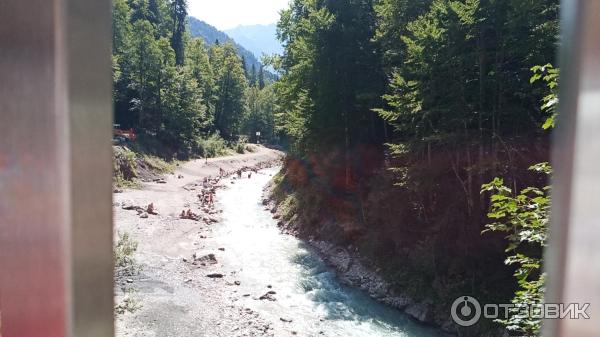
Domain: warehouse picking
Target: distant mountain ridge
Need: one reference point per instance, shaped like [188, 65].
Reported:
[210, 34]
[259, 39]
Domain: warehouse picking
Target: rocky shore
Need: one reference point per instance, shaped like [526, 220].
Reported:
[177, 281]
[351, 268]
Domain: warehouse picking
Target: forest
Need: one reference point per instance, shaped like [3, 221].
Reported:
[183, 97]
[416, 131]
[419, 136]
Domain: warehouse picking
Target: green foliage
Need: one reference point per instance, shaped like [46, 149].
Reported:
[212, 146]
[231, 86]
[261, 105]
[549, 75]
[525, 218]
[462, 65]
[124, 250]
[129, 304]
[176, 92]
[330, 74]
[124, 167]
[240, 147]
[158, 164]
[179, 16]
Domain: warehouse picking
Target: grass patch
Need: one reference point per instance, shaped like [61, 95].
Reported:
[287, 208]
[129, 303]
[159, 165]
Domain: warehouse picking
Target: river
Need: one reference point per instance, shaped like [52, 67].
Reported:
[307, 291]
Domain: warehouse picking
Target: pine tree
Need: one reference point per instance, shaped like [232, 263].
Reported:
[261, 77]
[252, 76]
[179, 15]
[245, 67]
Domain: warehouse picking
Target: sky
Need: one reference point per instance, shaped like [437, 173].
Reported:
[227, 14]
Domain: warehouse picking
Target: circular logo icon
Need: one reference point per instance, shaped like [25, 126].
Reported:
[466, 311]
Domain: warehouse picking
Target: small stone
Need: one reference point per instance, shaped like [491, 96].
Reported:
[268, 296]
[215, 275]
[128, 205]
[222, 249]
[129, 280]
[286, 320]
[208, 258]
[237, 283]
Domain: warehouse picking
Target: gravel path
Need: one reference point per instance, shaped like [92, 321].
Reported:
[176, 296]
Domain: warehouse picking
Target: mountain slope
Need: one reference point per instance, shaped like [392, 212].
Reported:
[259, 39]
[210, 34]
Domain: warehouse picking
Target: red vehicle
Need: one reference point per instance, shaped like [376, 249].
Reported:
[122, 135]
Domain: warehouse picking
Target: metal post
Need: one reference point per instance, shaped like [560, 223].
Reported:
[572, 260]
[55, 168]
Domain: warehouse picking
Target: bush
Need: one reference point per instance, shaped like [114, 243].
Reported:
[124, 167]
[240, 147]
[211, 147]
[125, 264]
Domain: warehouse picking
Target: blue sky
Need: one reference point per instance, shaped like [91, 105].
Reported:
[227, 14]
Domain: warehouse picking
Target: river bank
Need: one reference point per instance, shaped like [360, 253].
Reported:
[352, 270]
[173, 290]
[236, 275]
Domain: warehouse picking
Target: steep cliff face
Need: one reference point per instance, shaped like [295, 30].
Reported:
[414, 219]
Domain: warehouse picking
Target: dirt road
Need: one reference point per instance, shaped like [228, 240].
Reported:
[177, 297]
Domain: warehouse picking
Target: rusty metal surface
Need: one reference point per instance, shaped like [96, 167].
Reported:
[55, 168]
[573, 258]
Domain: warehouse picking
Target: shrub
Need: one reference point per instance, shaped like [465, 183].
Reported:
[211, 147]
[240, 147]
[124, 166]
[125, 264]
